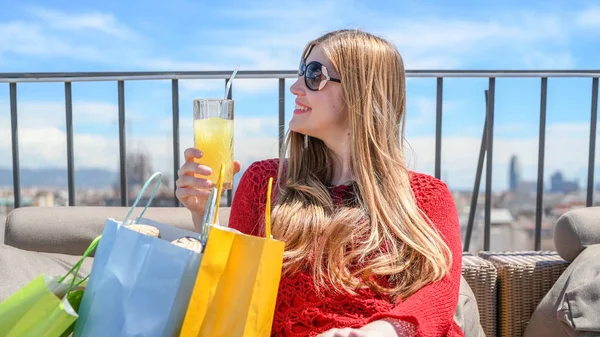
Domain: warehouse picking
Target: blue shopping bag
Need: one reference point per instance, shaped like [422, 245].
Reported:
[139, 285]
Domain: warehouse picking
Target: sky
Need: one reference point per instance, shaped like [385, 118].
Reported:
[69, 36]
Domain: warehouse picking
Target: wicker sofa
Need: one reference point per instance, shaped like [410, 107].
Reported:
[500, 290]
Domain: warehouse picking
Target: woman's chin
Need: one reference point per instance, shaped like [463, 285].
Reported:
[296, 126]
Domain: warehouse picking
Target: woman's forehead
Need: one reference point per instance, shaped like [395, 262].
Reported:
[316, 54]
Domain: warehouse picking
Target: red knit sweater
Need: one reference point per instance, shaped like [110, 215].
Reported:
[301, 312]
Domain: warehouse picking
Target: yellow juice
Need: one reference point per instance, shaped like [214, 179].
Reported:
[214, 137]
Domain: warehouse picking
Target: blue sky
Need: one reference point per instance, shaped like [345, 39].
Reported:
[192, 35]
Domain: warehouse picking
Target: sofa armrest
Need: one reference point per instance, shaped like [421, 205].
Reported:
[524, 278]
[70, 230]
[575, 230]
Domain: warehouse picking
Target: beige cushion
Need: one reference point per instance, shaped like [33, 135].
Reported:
[2, 227]
[69, 230]
[576, 230]
[467, 312]
[19, 267]
[572, 306]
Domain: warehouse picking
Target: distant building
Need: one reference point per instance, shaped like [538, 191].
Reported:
[527, 187]
[514, 174]
[139, 170]
[558, 184]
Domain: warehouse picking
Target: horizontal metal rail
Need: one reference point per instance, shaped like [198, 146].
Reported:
[269, 74]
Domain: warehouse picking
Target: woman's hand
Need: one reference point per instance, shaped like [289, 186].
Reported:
[349, 332]
[374, 329]
[193, 192]
[346, 332]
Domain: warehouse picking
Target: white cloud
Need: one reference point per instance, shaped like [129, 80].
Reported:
[199, 88]
[451, 43]
[421, 111]
[93, 37]
[251, 86]
[95, 21]
[589, 18]
[518, 39]
[26, 38]
[538, 59]
[203, 88]
[52, 114]
[164, 64]
[457, 35]
[460, 155]
[45, 146]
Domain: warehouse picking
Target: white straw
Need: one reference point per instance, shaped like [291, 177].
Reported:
[228, 87]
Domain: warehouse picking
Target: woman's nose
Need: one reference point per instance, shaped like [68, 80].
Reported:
[298, 87]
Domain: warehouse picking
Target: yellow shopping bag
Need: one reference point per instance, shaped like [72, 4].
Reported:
[237, 283]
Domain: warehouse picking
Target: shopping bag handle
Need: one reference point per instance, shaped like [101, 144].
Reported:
[154, 191]
[75, 269]
[268, 234]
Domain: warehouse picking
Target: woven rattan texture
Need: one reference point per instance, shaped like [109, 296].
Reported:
[523, 280]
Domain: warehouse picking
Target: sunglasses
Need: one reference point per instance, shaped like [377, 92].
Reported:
[315, 74]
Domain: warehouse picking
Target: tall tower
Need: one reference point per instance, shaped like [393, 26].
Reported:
[514, 174]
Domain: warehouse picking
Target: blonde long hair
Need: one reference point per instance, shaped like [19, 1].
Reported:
[381, 240]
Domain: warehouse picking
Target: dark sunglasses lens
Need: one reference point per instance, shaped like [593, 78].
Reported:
[313, 76]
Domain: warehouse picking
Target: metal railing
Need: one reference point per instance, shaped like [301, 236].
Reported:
[485, 153]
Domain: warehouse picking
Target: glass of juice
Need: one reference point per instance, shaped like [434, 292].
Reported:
[213, 135]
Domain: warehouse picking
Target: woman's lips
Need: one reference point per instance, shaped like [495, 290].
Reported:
[301, 108]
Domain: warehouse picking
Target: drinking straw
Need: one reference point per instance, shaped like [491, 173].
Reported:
[268, 210]
[219, 192]
[228, 86]
[205, 219]
[213, 204]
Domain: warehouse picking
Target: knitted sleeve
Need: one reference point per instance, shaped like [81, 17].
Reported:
[432, 307]
[249, 202]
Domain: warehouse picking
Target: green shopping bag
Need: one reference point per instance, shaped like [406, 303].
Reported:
[47, 306]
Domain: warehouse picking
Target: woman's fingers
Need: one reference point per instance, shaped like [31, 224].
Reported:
[190, 181]
[192, 153]
[191, 168]
[184, 193]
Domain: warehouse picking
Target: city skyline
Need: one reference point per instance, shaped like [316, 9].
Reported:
[140, 168]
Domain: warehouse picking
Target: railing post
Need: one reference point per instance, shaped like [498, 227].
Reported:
[592, 149]
[489, 163]
[540, 172]
[438, 127]
[281, 113]
[477, 184]
[14, 131]
[122, 143]
[69, 129]
[175, 99]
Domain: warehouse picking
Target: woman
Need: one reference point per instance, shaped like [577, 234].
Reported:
[372, 249]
